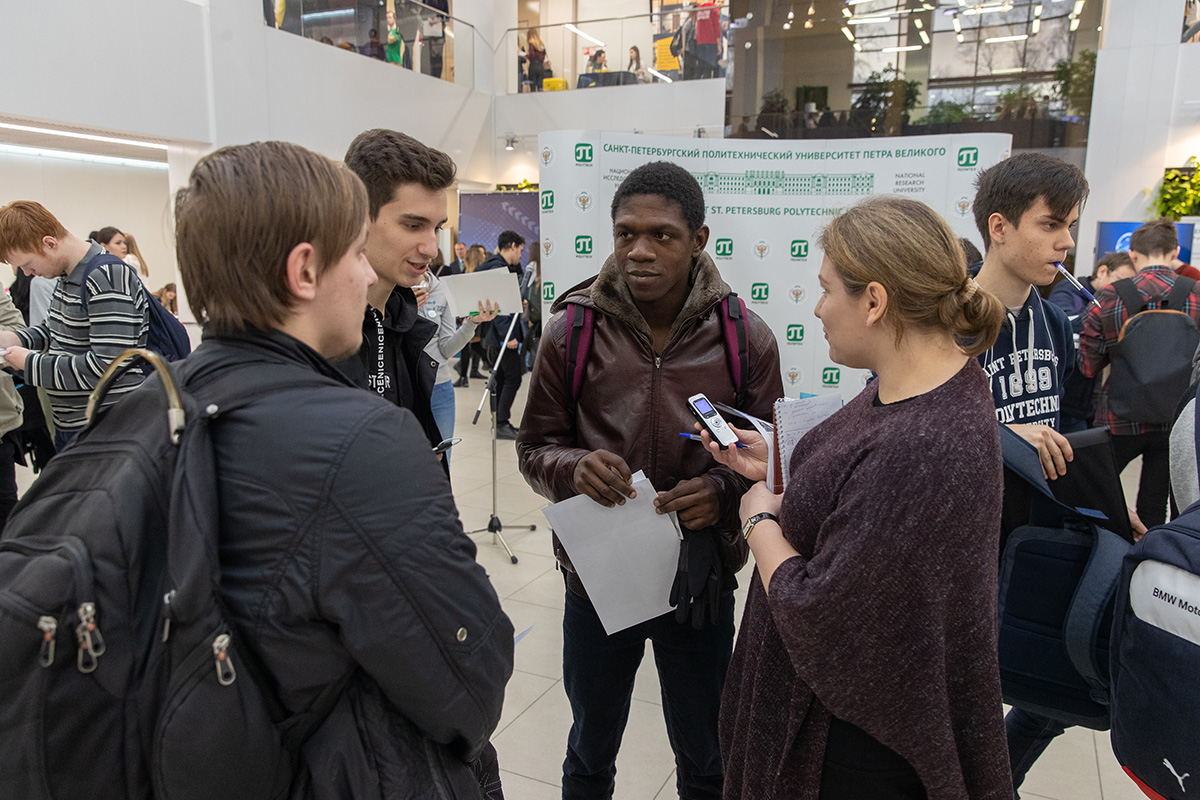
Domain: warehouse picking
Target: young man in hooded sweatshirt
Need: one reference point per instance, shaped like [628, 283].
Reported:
[1025, 208]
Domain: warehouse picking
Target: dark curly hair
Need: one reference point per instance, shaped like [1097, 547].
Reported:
[668, 181]
[386, 159]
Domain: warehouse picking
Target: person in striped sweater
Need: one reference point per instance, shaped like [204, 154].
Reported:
[69, 352]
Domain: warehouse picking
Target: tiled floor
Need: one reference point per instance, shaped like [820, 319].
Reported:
[531, 738]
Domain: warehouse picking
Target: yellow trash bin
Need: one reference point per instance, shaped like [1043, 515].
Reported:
[554, 84]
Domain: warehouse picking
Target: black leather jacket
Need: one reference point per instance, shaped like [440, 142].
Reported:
[342, 553]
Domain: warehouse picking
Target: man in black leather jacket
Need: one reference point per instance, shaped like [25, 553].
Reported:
[341, 551]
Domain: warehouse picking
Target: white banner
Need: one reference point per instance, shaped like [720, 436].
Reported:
[767, 202]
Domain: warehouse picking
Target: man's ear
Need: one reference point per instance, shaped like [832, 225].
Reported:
[701, 241]
[49, 244]
[302, 272]
[998, 227]
[877, 301]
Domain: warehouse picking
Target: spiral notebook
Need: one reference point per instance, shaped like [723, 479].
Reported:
[792, 417]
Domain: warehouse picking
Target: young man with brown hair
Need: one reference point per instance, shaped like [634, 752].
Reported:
[96, 313]
[1152, 247]
[342, 557]
[406, 187]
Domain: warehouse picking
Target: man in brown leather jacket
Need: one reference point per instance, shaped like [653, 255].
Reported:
[657, 339]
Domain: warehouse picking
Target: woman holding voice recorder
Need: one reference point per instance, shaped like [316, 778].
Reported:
[865, 664]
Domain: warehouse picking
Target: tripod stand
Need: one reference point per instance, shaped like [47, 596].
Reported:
[495, 527]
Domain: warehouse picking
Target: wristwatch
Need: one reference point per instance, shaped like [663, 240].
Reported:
[757, 518]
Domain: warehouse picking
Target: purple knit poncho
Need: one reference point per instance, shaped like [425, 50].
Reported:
[887, 618]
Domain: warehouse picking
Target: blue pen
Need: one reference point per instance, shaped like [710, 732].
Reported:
[696, 438]
[1078, 286]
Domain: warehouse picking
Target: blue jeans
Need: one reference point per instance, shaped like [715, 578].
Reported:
[441, 399]
[1029, 735]
[598, 674]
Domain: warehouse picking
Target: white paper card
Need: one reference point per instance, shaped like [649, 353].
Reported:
[467, 291]
[626, 556]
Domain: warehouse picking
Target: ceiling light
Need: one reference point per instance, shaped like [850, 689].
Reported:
[578, 32]
[924, 37]
[959, 36]
[812, 8]
[1037, 10]
[858, 47]
[1009, 71]
[1020, 37]
[957, 24]
[808, 23]
[749, 15]
[905, 49]
[791, 15]
[510, 142]
[787, 26]
[867, 20]
[72, 155]
[917, 22]
[1078, 7]
[90, 137]
[847, 12]
[1075, 24]
[848, 34]
[1036, 26]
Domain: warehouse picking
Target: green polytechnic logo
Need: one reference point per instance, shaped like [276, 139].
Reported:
[583, 154]
[583, 245]
[795, 334]
[968, 156]
[723, 247]
[547, 292]
[831, 376]
[547, 200]
[799, 248]
[759, 291]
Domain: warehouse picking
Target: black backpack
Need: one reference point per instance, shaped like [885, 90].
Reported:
[1058, 579]
[166, 335]
[1152, 359]
[122, 673]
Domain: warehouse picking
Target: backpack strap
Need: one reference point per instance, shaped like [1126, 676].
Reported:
[580, 321]
[1095, 591]
[1131, 298]
[101, 259]
[1180, 292]
[733, 321]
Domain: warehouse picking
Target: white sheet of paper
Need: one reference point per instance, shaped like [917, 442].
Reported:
[467, 291]
[626, 556]
[795, 417]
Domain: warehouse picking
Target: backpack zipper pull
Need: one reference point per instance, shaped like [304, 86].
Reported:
[91, 642]
[49, 628]
[167, 598]
[225, 672]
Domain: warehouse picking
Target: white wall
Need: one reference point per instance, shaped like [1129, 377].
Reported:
[88, 196]
[1145, 112]
[669, 109]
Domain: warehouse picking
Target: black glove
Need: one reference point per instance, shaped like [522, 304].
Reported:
[696, 593]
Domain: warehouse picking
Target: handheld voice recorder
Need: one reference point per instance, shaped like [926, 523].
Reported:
[707, 416]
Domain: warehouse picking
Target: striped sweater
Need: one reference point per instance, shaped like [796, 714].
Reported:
[72, 348]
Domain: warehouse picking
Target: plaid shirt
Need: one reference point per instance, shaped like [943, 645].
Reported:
[1103, 327]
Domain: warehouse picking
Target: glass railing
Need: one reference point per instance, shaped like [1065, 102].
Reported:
[1033, 123]
[406, 33]
[619, 51]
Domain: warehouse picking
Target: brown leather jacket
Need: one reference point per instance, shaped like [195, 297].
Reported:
[633, 402]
